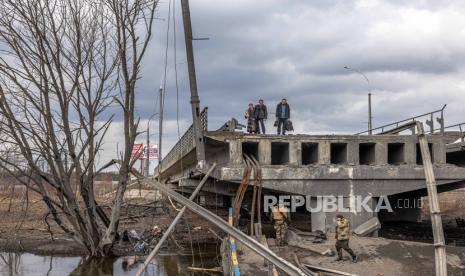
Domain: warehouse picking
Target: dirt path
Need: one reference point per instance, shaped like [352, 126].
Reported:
[378, 256]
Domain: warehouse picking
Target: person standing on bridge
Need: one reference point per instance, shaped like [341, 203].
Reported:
[342, 238]
[250, 119]
[283, 114]
[260, 115]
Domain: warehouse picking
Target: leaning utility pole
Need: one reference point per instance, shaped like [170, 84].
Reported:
[438, 233]
[195, 101]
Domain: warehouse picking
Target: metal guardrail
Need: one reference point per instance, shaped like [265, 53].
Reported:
[185, 144]
[461, 128]
[429, 122]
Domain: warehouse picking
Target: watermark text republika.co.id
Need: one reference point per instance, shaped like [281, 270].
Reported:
[339, 204]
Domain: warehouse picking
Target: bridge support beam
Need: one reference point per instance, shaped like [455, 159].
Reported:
[352, 153]
[410, 153]
[264, 152]
[295, 153]
[381, 153]
[325, 221]
[235, 152]
[324, 152]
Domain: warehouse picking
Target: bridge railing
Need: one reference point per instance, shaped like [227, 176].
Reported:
[460, 127]
[429, 121]
[185, 144]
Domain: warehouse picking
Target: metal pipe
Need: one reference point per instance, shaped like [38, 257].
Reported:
[175, 221]
[247, 241]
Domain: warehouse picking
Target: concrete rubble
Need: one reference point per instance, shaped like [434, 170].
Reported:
[378, 256]
[368, 227]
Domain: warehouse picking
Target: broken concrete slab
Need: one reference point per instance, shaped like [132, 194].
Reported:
[368, 227]
[293, 239]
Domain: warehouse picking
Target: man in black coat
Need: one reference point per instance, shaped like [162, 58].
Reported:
[260, 114]
[283, 113]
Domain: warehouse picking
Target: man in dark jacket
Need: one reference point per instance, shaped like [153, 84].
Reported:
[283, 113]
[260, 114]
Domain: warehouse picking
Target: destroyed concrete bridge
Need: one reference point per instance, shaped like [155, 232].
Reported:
[388, 164]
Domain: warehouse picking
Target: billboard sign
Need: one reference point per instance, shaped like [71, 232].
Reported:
[137, 151]
[151, 152]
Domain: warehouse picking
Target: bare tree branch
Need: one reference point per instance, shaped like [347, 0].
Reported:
[62, 64]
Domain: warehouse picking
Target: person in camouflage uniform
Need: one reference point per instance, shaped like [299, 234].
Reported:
[280, 218]
[342, 238]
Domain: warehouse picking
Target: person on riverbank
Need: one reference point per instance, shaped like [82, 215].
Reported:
[260, 115]
[342, 238]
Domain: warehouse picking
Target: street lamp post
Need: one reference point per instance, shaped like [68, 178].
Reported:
[160, 130]
[370, 118]
[147, 158]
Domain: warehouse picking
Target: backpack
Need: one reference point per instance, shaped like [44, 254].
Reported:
[289, 126]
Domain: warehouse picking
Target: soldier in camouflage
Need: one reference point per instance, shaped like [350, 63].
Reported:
[280, 217]
[342, 238]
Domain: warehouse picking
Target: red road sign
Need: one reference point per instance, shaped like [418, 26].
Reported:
[137, 151]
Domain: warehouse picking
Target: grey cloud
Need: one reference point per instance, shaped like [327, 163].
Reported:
[411, 51]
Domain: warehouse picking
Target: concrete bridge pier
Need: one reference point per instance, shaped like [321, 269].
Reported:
[326, 220]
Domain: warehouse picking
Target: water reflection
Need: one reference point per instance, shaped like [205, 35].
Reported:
[29, 264]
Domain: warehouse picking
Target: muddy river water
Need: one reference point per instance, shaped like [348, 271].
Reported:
[30, 264]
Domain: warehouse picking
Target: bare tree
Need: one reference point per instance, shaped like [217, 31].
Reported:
[62, 63]
[129, 17]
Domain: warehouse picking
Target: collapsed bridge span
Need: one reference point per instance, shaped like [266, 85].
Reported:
[318, 165]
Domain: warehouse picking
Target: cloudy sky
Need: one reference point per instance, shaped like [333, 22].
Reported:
[413, 53]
